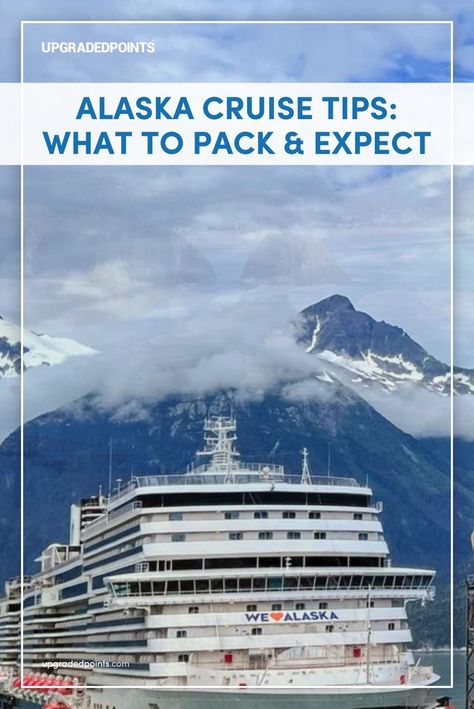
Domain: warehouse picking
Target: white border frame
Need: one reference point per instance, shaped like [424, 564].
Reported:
[263, 691]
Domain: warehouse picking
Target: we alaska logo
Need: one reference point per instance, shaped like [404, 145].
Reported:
[290, 616]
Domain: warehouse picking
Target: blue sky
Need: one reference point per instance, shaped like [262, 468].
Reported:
[97, 239]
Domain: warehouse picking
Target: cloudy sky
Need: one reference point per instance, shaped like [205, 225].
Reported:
[149, 262]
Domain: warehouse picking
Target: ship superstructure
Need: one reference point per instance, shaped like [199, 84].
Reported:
[231, 575]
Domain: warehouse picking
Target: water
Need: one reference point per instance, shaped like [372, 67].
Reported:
[441, 661]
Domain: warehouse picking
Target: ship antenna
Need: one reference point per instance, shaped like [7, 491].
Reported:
[110, 465]
[305, 469]
[219, 438]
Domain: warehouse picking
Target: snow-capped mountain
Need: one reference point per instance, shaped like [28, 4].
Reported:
[368, 351]
[39, 349]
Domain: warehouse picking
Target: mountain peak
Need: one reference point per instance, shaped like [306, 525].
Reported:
[331, 304]
[373, 351]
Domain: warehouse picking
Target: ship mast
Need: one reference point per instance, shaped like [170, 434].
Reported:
[369, 635]
[219, 438]
[305, 469]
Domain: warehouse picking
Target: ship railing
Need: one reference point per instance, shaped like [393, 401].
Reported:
[246, 474]
[306, 662]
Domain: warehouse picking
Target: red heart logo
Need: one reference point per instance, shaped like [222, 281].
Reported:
[277, 615]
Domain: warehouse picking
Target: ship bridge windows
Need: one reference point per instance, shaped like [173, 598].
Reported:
[363, 536]
[357, 515]
[250, 584]
[288, 515]
[260, 514]
[265, 535]
[236, 536]
[257, 631]
[314, 515]
[319, 535]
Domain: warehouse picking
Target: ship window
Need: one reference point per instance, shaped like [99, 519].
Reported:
[251, 608]
[235, 535]
[193, 609]
[158, 587]
[290, 582]
[363, 536]
[314, 515]
[293, 535]
[181, 633]
[300, 606]
[178, 537]
[231, 585]
[276, 606]
[174, 516]
[245, 584]
[357, 515]
[183, 658]
[260, 515]
[289, 515]
[275, 583]
[256, 631]
[319, 535]
[172, 587]
[121, 589]
[329, 628]
[186, 586]
[265, 535]
[265, 561]
[321, 581]
[323, 605]
[217, 585]
[259, 584]
[391, 626]
[182, 564]
[232, 515]
[202, 586]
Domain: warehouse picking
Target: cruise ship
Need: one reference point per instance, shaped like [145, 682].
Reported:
[231, 585]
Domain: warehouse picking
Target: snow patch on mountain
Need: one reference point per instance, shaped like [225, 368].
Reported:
[368, 353]
[39, 349]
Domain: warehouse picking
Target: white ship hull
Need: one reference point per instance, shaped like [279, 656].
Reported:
[285, 698]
